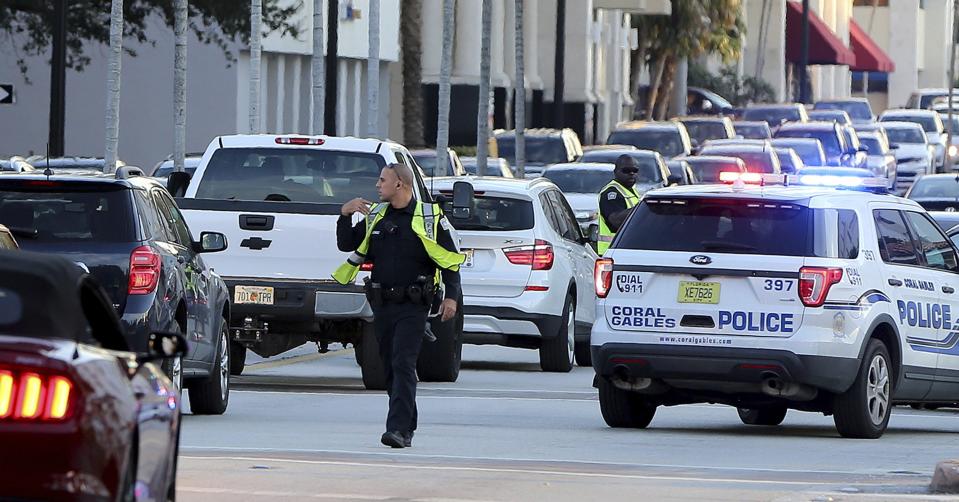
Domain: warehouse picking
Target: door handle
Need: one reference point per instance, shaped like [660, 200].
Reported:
[895, 282]
[948, 289]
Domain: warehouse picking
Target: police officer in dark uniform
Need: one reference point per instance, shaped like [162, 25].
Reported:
[408, 241]
[616, 200]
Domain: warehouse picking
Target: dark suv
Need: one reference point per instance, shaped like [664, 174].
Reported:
[128, 233]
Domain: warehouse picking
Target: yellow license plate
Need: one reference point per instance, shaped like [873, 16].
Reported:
[253, 294]
[698, 292]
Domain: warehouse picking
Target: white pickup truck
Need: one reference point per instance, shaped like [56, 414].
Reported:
[277, 199]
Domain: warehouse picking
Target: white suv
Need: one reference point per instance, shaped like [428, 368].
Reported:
[770, 298]
[528, 275]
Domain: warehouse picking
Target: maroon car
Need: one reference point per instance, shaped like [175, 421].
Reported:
[80, 417]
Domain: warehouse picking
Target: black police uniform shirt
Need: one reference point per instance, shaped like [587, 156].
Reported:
[612, 202]
[397, 253]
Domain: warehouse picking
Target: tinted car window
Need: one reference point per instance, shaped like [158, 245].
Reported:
[749, 131]
[928, 123]
[708, 171]
[428, 164]
[829, 140]
[809, 151]
[149, 215]
[55, 216]
[170, 213]
[579, 180]
[944, 187]
[757, 162]
[856, 109]
[902, 135]
[873, 145]
[290, 174]
[935, 247]
[703, 131]
[895, 243]
[772, 116]
[539, 150]
[848, 232]
[495, 214]
[667, 143]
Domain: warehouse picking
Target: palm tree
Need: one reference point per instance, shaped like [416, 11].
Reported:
[181, 16]
[446, 70]
[113, 87]
[482, 119]
[256, 35]
[411, 12]
[373, 72]
[318, 93]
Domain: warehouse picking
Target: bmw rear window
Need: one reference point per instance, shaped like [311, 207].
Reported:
[52, 214]
[503, 214]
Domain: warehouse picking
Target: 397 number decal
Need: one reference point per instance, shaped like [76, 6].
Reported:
[777, 285]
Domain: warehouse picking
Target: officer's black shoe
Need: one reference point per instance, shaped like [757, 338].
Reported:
[393, 439]
[408, 440]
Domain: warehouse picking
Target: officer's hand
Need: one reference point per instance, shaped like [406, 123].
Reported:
[447, 309]
[357, 205]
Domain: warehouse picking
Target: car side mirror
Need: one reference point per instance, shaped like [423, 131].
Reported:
[164, 345]
[177, 183]
[210, 242]
[463, 199]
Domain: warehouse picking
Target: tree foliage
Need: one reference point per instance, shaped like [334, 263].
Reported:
[27, 25]
[740, 91]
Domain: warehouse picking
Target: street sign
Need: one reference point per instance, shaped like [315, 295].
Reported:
[6, 94]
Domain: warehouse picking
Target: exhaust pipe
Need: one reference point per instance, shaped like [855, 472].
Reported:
[776, 387]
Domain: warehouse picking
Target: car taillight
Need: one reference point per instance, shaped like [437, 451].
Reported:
[603, 276]
[32, 396]
[539, 255]
[814, 284]
[144, 270]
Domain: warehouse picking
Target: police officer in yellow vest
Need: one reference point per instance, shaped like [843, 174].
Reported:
[411, 249]
[616, 200]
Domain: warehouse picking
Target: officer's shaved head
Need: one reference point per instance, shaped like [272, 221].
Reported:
[404, 173]
[395, 180]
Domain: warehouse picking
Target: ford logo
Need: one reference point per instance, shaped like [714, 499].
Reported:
[700, 259]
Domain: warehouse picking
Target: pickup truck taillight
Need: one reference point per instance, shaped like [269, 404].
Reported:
[26, 395]
[144, 271]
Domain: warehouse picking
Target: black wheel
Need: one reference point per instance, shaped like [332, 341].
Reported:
[863, 410]
[556, 353]
[763, 416]
[439, 361]
[237, 358]
[212, 395]
[371, 366]
[583, 357]
[622, 408]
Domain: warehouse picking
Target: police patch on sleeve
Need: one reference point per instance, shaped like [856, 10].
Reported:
[611, 195]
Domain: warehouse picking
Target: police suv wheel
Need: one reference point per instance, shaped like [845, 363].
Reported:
[212, 395]
[773, 415]
[622, 408]
[863, 410]
[371, 365]
[556, 354]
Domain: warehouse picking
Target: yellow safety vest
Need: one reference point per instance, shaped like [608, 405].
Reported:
[426, 219]
[605, 234]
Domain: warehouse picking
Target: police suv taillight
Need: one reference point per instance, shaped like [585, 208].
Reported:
[814, 284]
[603, 276]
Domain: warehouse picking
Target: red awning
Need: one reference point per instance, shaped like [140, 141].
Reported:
[825, 48]
[869, 57]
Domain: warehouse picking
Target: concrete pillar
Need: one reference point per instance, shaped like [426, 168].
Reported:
[358, 97]
[938, 27]
[500, 30]
[280, 93]
[766, 61]
[297, 62]
[431, 33]
[342, 98]
[904, 50]
[466, 48]
[534, 79]
[546, 44]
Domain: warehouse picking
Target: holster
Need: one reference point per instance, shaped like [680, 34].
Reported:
[374, 293]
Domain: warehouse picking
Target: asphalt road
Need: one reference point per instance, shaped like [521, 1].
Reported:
[301, 427]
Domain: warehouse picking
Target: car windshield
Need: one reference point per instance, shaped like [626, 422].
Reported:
[772, 116]
[579, 180]
[539, 150]
[828, 138]
[809, 151]
[668, 143]
[756, 162]
[290, 175]
[719, 225]
[955, 122]
[51, 216]
[872, 144]
[856, 109]
[495, 214]
[935, 186]
[427, 163]
[904, 135]
[925, 101]
[702, 131]
[928, 123]
[707, 171]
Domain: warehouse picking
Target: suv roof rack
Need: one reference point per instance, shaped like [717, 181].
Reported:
[127, 172]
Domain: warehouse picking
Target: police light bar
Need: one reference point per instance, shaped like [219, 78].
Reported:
[830, 180]
[299, 141]
[752, 178]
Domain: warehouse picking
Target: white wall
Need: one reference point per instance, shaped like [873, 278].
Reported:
[773, 64]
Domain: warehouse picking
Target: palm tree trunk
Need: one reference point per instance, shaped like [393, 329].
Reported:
[482, 119]
[180, 20]
[655, 79]
[318, 72]
[411, 46]
[256, 34]
[446, 71]
[519, 109]
[666, 88]
[373, 73]
[113, 87]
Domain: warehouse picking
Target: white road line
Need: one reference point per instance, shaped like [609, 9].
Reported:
[543, 472]
[381, 395]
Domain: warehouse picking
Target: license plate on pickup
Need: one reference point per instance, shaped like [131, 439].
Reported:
[469, 258]
[698, 292]
[253, 294]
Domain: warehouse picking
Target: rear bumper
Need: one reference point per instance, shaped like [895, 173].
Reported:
[301, 301]
[495, 321]
[723, 365]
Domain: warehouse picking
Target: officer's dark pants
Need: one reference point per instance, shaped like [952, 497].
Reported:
[399, 331]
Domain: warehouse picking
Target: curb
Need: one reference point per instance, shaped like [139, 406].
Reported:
[945, 479]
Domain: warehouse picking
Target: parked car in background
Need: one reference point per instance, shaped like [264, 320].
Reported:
[161, 172]
[70, 164]
[789, 161]
[758, 159]
[858, 109]
[426, 159]
[856, 154]
[808, 149]
[936, 192]
[947, 220]
[830, 136]
[752, 129]
[15, 165]
[838, 116]
[880, 158]
[645, 158]
[598, 148]
[7, 240]
[924, 98]
[776, 114]
[495, 166]
[670, 139]
[527, 279]
[706, 168]
[931, 125]
[680, 172]
[702, 129]
[701, 101]
[914, 155]
[544, 147]
[81, 417]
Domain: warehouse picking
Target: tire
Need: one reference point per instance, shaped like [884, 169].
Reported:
[439, 361]
[237, 358]
[556, 353]
[584, 358]
[622, 408]
[371, 366]
[211, 396]
[763, 416]
[863, 410]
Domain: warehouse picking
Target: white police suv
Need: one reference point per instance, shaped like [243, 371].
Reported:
[776, 297]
